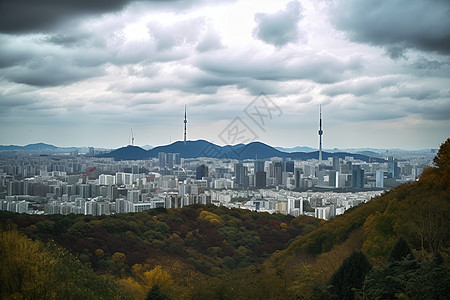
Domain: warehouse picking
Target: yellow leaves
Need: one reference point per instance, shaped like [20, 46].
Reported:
[159, 277]
[119, 258]
[99, 253]
[243, 251]
[133, 288]
[284, 226]
[144, 280]
[24, 266]
[211, 218]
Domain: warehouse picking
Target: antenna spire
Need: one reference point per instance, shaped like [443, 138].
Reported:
[320, 134]
[185, 122]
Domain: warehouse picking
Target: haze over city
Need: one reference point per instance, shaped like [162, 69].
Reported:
[77, 74]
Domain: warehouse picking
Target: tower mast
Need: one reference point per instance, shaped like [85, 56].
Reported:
[320, 134]
[185, 121]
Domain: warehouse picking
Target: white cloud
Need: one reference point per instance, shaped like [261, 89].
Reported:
[281, 27]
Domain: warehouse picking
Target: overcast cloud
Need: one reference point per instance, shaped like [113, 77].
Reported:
[82, 73]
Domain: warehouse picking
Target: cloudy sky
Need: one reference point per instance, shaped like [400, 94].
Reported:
[83, 73]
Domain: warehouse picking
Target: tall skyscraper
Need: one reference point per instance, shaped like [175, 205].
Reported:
[201, 171]
[320, 134]
[358, 177]
[259, 166]
[278, 170]
[298, 177]
[241, 175]
[288, 166]
[185, 122]
[336, 163]
[393, 169]
[379, 179]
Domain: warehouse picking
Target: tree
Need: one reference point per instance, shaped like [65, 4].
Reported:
[25, 267]
[442, 158]
[408, 279]
[401, 250]
[31, 270]
[155, 294]
[350, 275]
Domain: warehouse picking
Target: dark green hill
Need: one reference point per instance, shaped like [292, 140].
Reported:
[208, 237]
[202, 148]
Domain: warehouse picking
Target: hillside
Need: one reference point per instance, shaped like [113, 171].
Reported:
[204, 240]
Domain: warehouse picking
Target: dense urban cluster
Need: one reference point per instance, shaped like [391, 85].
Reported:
[85, 184]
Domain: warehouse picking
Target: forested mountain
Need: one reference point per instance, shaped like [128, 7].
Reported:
[394, 246]
[202, 148]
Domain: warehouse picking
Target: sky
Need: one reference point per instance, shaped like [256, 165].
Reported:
[87, 73]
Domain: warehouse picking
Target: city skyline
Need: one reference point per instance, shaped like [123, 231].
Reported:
[84, 74]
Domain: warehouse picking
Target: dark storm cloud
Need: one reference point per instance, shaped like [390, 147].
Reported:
[48, 72]
[20, 16]
[279, 28]
[9, 102]
[424, 63]
[34, 62]
[68, 40]
[24, 16]
[397, 25]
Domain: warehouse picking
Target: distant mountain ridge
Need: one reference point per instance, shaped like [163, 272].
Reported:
[30, 147]
[296, 149]
[202, 148]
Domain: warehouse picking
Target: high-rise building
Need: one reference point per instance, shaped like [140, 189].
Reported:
[379, 179]
[393, 169]
[133, 195]
[277, 172]
[222, 172]
[288, 166]
[162, 160]
[336, 163]
[201, 171]
[298, 177]
[258, 170]
[358, 177]
[106, 179]
[241, 175]
[168, 160]
[333, 178]
[259, 166]
[260, 179]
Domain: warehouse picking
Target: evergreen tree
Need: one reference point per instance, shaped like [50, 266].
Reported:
[442, 158]
[400, 251]
[156, 294]
[408, 279]
[350, 275]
